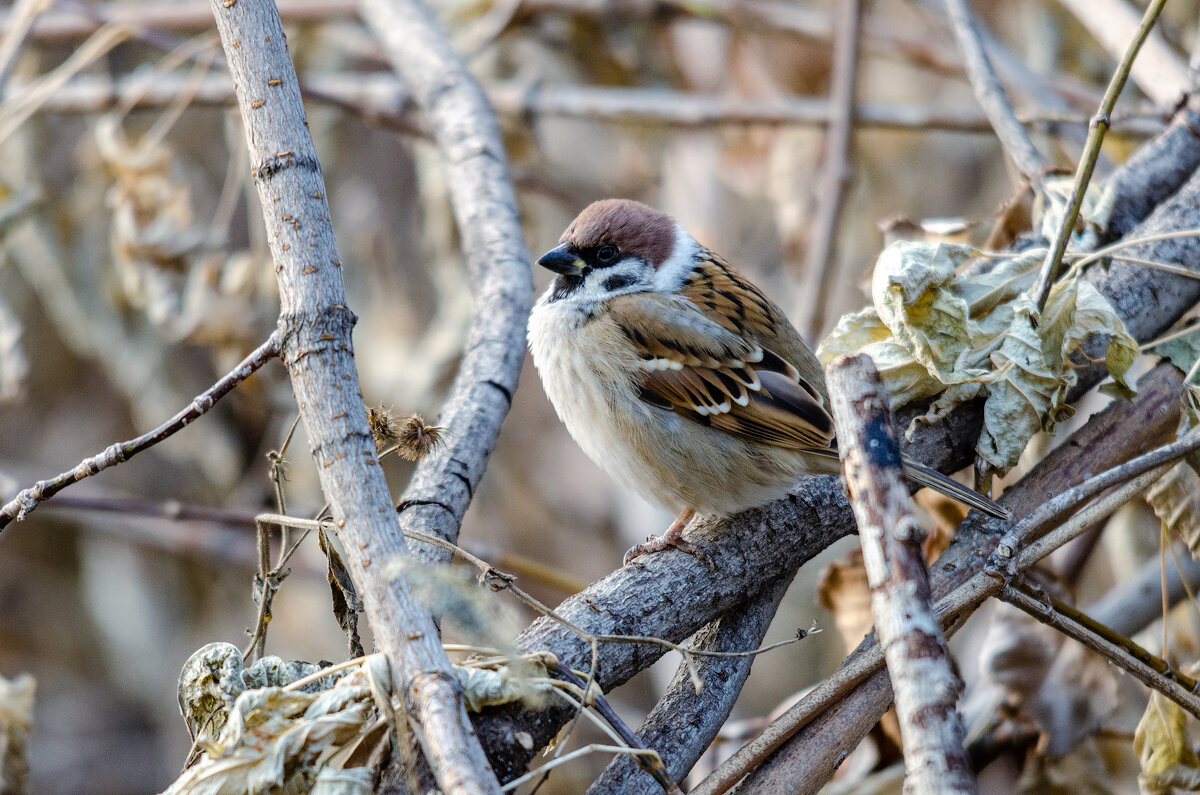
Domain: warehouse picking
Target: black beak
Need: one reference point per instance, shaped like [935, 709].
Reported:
[561, 260]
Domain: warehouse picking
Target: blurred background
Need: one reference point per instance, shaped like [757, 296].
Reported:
[133, 273]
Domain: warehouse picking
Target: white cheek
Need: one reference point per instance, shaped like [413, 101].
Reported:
[671, 275]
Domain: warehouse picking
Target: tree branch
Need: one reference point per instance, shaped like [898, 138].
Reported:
[485, 206]
[918, 663]
[683, 723]
[21, 505]
[315, 325]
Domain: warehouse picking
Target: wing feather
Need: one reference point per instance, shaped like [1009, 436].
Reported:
[700, 360]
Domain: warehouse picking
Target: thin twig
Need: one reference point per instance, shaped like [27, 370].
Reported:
[1097, 128]
[836, 173]
[1154, 672]
[991, 95]
[28, 499]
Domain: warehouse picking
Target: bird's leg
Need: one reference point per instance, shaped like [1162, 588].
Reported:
[672, 538]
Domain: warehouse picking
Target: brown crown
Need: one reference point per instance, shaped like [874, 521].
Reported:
[632, 227]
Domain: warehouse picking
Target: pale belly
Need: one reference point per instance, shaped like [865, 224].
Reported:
[671, 461]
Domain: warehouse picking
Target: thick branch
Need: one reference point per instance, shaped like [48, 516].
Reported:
[485, 206]
[917, 660]
[315, 324]
[683, 723]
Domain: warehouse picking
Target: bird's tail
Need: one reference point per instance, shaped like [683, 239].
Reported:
[928, 476]
[943, 484]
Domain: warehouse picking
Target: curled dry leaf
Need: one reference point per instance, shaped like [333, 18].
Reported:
[1161, 743]
[257, 732]
[935, 331]
[214, 676]
[1175, 499]
[487, 684]
[16, 721]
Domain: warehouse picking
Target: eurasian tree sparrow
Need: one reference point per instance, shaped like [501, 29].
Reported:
[678, 376]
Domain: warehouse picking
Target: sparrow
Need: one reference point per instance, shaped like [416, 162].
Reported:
[679, 377]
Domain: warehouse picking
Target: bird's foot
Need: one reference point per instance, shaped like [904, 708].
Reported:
[672, 538]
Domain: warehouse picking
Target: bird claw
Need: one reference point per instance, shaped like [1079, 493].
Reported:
[666, 541]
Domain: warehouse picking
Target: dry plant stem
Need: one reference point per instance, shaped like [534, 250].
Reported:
[683, 723]
[315, 326]
[819, 261]
[1151, 670]
[925, 687]
[21, 505]
[1159, 71]
[485, 206]
[17, 27]
[991, 95]
[1083, 174]
[382, 100]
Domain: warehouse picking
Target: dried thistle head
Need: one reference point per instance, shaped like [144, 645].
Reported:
[415, 439]
[384, 426]
[408, 434]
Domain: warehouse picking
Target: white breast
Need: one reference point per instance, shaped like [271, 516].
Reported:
[587, 367]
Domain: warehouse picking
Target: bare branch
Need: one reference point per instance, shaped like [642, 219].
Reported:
[806, 759]
[485, 206]
[21, 505]
[315, 325]
[991, 95]
[819, 260]
[917, 660]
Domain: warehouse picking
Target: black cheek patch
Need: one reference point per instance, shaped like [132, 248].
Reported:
[618, 281]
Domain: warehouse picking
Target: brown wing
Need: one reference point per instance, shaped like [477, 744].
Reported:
[700, 359]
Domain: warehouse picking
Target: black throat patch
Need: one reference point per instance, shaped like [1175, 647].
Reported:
[565, 286]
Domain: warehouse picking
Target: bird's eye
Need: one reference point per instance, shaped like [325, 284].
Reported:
[606, 253]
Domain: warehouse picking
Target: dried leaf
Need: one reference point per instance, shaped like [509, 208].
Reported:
[1175, 499]
[1183, 351]
[16, 721]
[910, 297]
[1026, 391]
[864, 332]
[521, 679]
[934, 331]
[1162, 746]
[214, 676]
